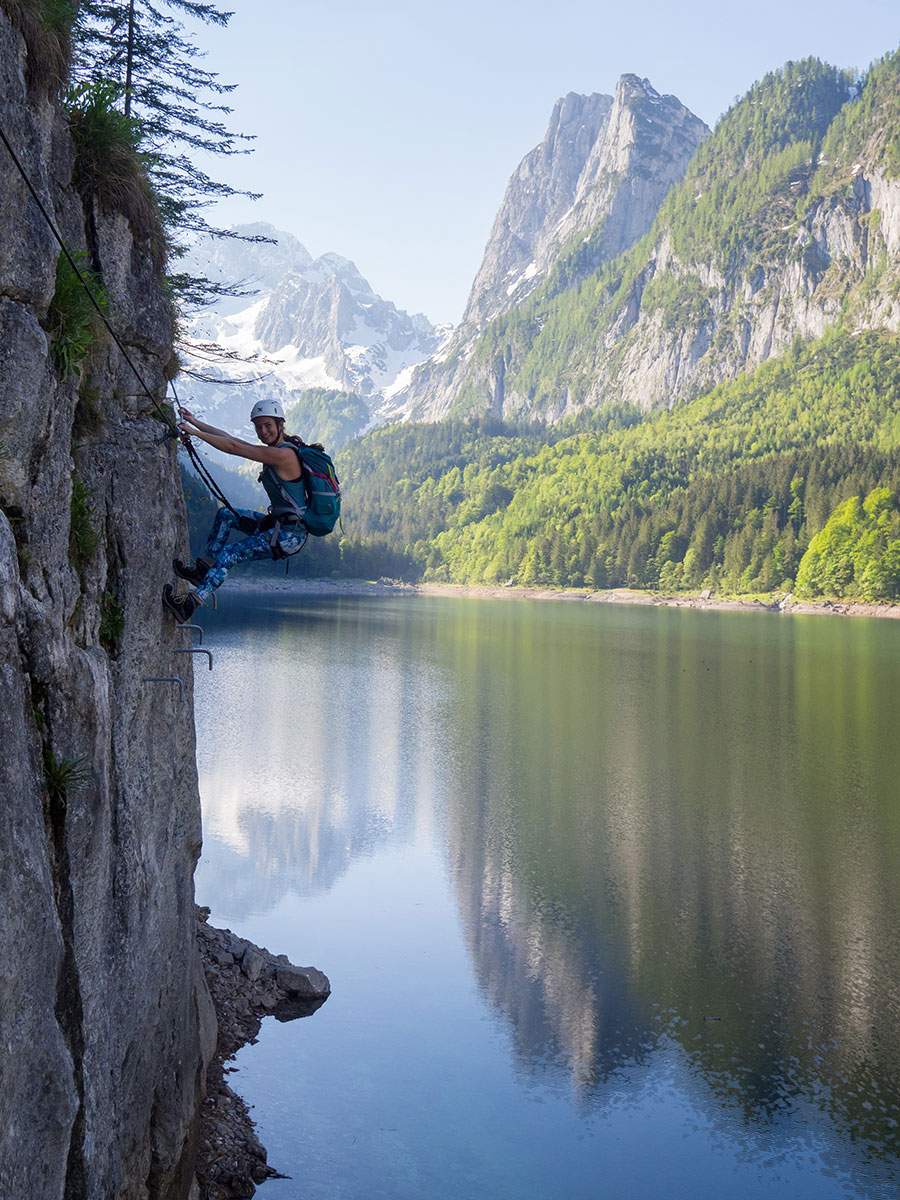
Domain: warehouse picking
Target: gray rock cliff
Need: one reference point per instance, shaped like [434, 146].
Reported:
[608, 159]
[839, 267]
[101, 996]
[604, 167]
[539, 196]
[758, 246]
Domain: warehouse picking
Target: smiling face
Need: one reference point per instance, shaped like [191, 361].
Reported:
[267, 430]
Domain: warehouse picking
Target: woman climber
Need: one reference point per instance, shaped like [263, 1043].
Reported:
[276, 534]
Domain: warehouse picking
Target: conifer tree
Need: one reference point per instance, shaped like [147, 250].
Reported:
[177, 104]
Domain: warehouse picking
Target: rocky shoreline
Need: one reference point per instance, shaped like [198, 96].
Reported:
[246, 984]
[785, 604]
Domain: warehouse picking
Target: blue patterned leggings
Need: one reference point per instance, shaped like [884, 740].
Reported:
[225, 555]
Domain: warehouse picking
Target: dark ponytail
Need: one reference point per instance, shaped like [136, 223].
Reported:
[292, 437]
[298, 441]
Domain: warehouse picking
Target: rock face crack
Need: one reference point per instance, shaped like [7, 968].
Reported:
[68, 1007]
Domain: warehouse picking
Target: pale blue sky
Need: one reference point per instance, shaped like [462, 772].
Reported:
[387, 131]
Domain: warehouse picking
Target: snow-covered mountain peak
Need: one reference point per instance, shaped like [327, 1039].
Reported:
[254, 266]
[310, 323]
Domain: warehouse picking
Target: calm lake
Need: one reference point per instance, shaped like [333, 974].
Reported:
[608, 896]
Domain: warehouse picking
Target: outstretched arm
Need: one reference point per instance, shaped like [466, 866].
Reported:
[283, 460]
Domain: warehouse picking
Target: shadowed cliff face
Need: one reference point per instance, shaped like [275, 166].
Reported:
[99, 824]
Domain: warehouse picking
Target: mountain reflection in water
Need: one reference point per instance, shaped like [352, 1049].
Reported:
[671, 836]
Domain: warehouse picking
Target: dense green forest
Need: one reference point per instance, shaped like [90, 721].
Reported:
[727, 491]
[786, 479]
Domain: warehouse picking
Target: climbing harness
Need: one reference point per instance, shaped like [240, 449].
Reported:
[275, 547]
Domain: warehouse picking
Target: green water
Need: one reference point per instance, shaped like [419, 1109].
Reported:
[608, 896]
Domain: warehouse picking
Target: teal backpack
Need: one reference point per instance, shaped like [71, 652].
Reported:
[323, 491]
[319, 509]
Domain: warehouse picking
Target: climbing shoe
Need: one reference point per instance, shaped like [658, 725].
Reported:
[183, 607]
[193, 573]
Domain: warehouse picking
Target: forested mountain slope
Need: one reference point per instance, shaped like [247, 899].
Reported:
[725, 491]
[786, 223]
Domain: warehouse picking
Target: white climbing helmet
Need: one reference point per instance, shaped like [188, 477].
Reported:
[266, 408]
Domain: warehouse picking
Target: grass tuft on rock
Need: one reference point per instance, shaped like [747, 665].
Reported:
[88, 420]
[112, 623]
[62, 776]
[109, 164]
[73, 322]
[83, 536]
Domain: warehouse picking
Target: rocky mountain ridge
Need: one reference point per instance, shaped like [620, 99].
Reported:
[603, 169]
[787, 222]
[609, 159]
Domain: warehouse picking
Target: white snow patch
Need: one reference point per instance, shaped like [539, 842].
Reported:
[298, 373]
[529, 273]
[362, 334]
[401, 382]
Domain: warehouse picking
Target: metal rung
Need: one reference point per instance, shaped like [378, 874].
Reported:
[167, 679]
[199, 629]
[197, 650]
